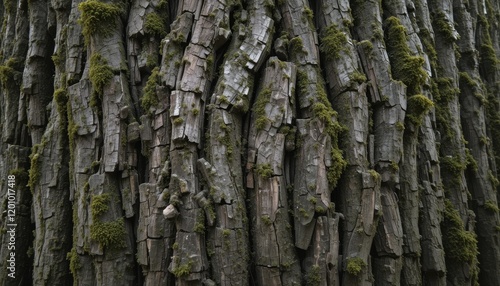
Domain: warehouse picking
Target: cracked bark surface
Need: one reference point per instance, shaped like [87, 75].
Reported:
[251, 142]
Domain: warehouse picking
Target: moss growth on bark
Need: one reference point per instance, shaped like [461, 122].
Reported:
[418, 106]
[405, 67]
[259, 108]
[99, 204]
[264, 170]
[149, 99]
[100, 73]
[323, 111]
[459, 244]
[61, 99]
[355, 265]
[10, 72]
[183, 269]
[333, 42]
[74, 261]
[98, 18]
[154, 25]
[491, 206]
[313, 277]
[109, 234]
[443, 26]
[35, 166]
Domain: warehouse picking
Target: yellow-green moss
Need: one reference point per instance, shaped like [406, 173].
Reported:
[404, 66]
[109, 234]
[99, 204]
[322, 110]
[357, 77]
[10, 71]
[154, 25]
[100, 73]
[149, 98]
[35, 167]
[355, 265]
[394, 166]
[296, 47]
[333, 42]
[313, 276]
[266, 220]
[444, 92]
[61, 99]
[264, 170]
[9, 5]
[454, 164]
[400, 126]
[178, 121]
[199, 225]
[443, 26]
[491, 206]
[458, 243]
[418, 106]
[74, 261]
[224, 137]
[375, 175]
[259, 108]
[182, 270]
[429, 46]
[98, 18]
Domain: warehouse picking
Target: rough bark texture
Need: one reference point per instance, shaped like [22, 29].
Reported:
[250, 142]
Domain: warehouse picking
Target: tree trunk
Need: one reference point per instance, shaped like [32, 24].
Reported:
[253, 142]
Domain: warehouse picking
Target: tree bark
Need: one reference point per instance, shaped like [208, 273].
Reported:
[250, 142]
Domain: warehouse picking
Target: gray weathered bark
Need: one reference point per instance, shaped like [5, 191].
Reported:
[250, 142]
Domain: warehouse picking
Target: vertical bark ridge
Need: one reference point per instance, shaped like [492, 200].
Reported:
[429, 178]
[458, 220]
[360, 185]
[15, 142]
[276, 259]
[481, 172]
[316, 176]
[389, 106]
[409, 66]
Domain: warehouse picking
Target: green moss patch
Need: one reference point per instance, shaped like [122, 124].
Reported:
[155, 25]
[418, 106]
[10, 71]
[259, 108]
[98, 18]
[405, 67]
[183, 269]
[74, 261]
[491, 206]
[264, 170]
[35, 166]
[458, 243]
[99, 204]
[100, 72]
[333, 42]
[313, 277]
[109, 234]
[149, 99]
[355, 265]
[443, 26]
[61, 99]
